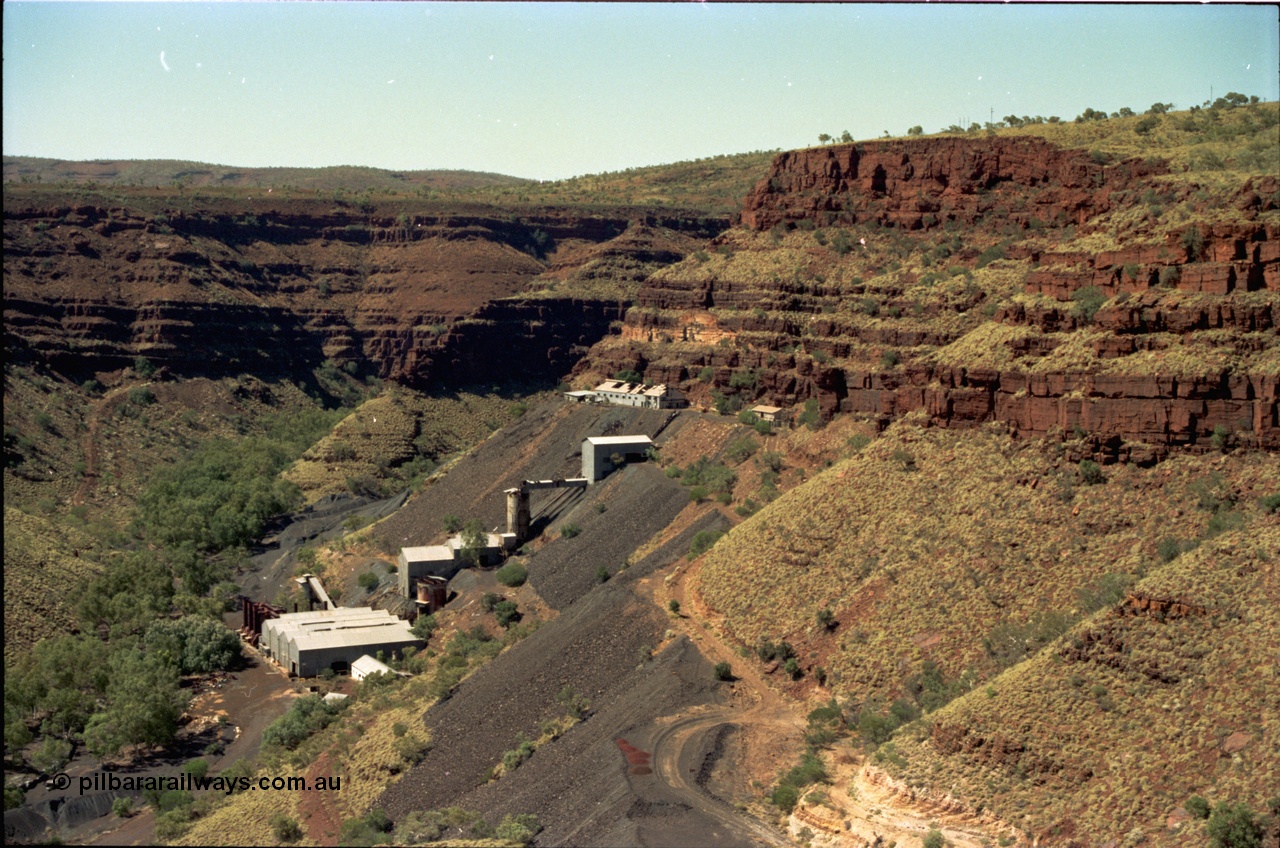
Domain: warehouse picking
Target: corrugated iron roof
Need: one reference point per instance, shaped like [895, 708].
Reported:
[382, 633]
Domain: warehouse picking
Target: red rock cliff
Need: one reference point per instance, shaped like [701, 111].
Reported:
[919, 184]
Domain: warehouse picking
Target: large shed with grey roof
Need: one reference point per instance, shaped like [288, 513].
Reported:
[306, 643]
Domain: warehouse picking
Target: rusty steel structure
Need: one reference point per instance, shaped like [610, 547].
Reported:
[433, 592]
[254, 614]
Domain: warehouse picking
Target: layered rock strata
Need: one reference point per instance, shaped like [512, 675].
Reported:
[424, 297]
[1208, 288]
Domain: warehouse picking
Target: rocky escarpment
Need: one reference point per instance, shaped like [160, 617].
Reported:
[415, 293]
[922, 184]
[959, 277]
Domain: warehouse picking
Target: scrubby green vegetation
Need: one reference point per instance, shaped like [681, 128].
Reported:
[512, 574]
[307, 716]
[979, 625]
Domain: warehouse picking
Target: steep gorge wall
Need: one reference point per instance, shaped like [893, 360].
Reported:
[795, 336]
[417, 297]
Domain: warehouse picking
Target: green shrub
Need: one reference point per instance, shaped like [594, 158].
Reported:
[1221, 522]
[452, 524]
[512, 574]
[1234, 826]
[577, 705]
[1011, 642]
[780, 651]
[507, 613]
[1193, 242]
[424, 626]
[197, 768]
[934, 839]
[990, 255]
[1271, 503]
[308, 715]
[602, 574]
[1088, 301]
[142, 396]
[742, 449]
[520, 829]
[1219, 438]
[193, 643]
[172, 824]
[1170, 548]
[369, 829]
[723, 671]
[785, 797]
[903, 459]
[787, 792]
[568, 531]
[368, 581]
[811, 417]
[284, 828]
[744, 379]
[1090, 473]
[1197, 806]
[1107, 591]
[703, 541]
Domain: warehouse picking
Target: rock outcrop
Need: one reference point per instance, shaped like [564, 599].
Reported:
[921, 184]
[1165, 329]
[428, 296]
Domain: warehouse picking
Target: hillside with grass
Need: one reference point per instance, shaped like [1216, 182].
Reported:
[966, 596]
[1132, 713]
[1007, 577]
[168, 174]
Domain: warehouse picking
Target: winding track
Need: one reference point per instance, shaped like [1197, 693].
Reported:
[678, 752]
[879, 811]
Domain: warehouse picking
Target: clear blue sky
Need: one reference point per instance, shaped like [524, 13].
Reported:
[550, 90]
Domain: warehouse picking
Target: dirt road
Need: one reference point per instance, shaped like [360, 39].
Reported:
[864, 807]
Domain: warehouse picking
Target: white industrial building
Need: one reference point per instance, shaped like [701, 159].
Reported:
[598, 453]
[306, 643]
[366, 665]
[632, 394]
[445, 560]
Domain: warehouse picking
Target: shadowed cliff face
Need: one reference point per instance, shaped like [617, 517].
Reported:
[978, 280]
[421, 297]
